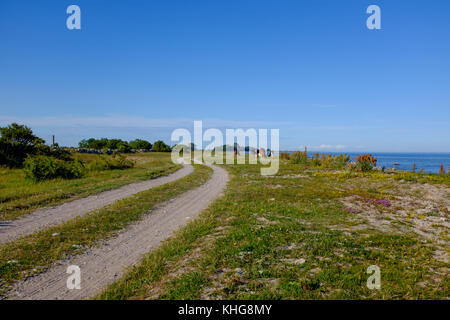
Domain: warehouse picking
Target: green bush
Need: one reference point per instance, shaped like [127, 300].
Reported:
[116, 161]
[298, 158]
[44, 167]
[365, 162]
[329, 161]
[140, 144]
[16, 142]
[364, 166]
[124, 147]
[13, 154]
[160, 146]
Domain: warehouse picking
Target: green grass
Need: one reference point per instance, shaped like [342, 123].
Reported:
[290, 238]
[19, 196]
[33, 253]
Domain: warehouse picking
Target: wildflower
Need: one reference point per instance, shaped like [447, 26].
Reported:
[385, 203]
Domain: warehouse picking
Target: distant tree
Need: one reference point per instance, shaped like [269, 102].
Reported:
[16, 143]
[114, 143]
[83, 144]
[91, 142]
[98, 144]
[124, 147]
[15, 133]
[160, 146]
[140, 144]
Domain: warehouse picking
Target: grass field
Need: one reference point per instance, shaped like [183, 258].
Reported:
[305, 234]
[19, 196]
[31, 254]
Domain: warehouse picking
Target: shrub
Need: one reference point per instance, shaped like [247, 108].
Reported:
[315, 159]
[285, 156]
[341, 160]
[140, 144]
[442, 169]
[16, 143]
[160, 146]
[299, 157]
[364, 166]
[331, 161]
[365, 162]
[42, 167]
[92, 143]
[116, 161]
[53, 151]
[12, 154]
[123, 147]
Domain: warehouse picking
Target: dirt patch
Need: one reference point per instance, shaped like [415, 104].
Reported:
[420, 208]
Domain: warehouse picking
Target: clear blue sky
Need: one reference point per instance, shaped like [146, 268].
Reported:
[310, 68]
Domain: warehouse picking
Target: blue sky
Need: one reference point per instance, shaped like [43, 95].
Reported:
[309, 68]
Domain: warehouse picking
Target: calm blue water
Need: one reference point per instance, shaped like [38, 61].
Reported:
[430, 162]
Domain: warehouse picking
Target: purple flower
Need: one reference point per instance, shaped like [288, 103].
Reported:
[385, 203]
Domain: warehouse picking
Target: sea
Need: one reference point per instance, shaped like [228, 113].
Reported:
[429, 162]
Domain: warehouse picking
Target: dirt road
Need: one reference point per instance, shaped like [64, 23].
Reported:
[46, 217]
[102, 265]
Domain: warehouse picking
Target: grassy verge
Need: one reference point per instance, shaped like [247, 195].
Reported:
[33, 253]
[291, 237]
[19, 196]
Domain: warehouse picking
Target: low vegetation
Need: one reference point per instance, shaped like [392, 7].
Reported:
[40, 168]
[114, 162]
[306, 233]
[324, 161]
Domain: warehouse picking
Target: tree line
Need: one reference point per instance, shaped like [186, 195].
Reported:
[123, 146]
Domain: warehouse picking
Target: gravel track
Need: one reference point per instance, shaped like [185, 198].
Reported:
[102, 265]
[46, 217]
